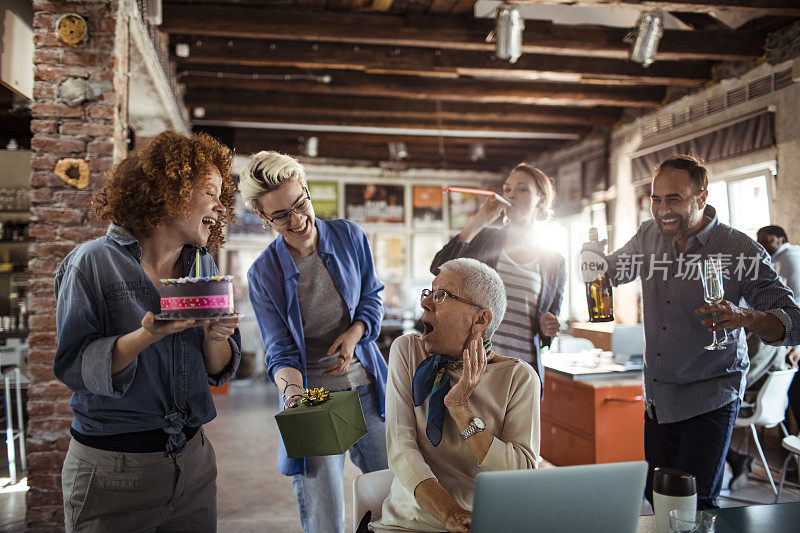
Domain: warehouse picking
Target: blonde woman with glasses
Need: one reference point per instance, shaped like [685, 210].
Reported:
[315, 297]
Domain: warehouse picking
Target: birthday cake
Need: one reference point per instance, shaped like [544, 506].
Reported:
[203, 297]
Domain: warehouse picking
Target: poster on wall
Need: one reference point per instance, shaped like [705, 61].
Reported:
[462, 207]
[375, 203]
[324, 198]
[428, 205]
[247, 222]
[388, 252]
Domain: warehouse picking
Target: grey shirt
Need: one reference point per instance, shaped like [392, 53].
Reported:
[681, 378]
[325, 316]
[786, 261]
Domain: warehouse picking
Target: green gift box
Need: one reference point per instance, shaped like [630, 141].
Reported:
[328, 428]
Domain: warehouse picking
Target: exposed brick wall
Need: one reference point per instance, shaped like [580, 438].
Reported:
[61, 218]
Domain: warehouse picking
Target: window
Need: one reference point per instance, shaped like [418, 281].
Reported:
[742, 202]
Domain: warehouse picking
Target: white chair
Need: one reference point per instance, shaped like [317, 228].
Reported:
[769, 410]
[369, 492]
[791, 443]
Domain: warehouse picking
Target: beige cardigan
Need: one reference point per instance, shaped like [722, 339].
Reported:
[507, 399]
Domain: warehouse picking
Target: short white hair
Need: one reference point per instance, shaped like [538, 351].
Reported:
[266, 171]
[482, 285]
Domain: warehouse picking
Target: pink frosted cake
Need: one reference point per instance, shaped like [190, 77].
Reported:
[206, 297]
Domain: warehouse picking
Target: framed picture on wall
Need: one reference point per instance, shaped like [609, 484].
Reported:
[325, 198]
[427, 207]
[375, 203]
[389, 254]
[462, 208]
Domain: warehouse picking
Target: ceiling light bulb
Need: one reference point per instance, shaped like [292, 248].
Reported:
[199, 112]
[648, 32]
[397, 150]
[508, 32]
[476, 152]
[312, 146]
[182, 50]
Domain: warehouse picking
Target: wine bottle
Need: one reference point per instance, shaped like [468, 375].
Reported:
[598, 290]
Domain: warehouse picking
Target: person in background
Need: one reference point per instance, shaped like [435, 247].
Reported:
[785, 256]
[692, 395]
[138, 459]
[454, 408]
[315, 297]
[786, 260]
[533, 275]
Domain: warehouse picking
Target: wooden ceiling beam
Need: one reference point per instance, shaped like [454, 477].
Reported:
[256, 101]
[470, 115]
[541, 37]
[417, 88]
[786, 8]
[427, 61]
[421, 123]
[368, 139]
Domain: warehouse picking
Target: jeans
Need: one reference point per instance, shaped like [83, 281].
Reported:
[320, 493]
[698, 446]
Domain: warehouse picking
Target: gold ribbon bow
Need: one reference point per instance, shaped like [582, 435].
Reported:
[315, 396]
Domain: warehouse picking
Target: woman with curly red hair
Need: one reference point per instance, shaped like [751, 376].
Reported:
[138, 458]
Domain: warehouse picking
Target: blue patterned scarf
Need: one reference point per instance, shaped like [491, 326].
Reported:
[431, 379]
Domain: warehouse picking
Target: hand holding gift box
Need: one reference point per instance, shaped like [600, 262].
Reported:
[322, 423]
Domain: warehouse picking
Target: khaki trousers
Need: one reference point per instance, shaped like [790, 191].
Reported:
[132, 492]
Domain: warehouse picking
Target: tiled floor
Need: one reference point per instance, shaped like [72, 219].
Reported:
[254, 497]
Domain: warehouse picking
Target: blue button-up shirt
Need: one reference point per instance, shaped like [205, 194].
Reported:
[681, 378]
[272, 282]
[103, 292]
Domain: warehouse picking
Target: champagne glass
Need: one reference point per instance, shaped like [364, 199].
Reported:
[713, 292]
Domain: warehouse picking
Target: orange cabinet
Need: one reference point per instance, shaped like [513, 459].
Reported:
[592, 421]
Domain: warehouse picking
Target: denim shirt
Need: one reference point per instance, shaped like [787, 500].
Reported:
[272, 281]
[102, 293]
[681, 378]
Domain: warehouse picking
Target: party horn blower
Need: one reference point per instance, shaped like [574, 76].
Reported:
[481, 192]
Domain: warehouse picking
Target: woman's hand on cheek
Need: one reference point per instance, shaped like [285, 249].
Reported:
[474, 367]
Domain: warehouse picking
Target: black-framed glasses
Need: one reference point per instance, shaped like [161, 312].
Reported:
[301, 206]
[440, 295]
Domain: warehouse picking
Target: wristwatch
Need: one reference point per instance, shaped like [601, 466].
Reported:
[475, 425]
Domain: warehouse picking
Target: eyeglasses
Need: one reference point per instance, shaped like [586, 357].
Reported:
[440, 295]
[300, 207]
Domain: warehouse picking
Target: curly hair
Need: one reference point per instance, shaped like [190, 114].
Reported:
[154, 184]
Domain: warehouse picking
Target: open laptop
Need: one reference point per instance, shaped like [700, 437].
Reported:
[592, 498]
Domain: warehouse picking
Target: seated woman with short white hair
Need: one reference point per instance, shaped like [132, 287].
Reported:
[454, 408]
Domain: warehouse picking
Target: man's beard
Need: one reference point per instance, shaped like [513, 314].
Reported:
[678, 231]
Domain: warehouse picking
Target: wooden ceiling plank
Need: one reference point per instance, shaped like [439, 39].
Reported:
[422, 61]
[381, 5]
[373, 138]
[259, 112]
[375, 106]
[463, 7]
[427, 123]
[357, 84]
[450, 33]
[788, 8]
[442, 7]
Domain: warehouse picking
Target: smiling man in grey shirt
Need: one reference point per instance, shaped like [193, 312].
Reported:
[692, 394]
